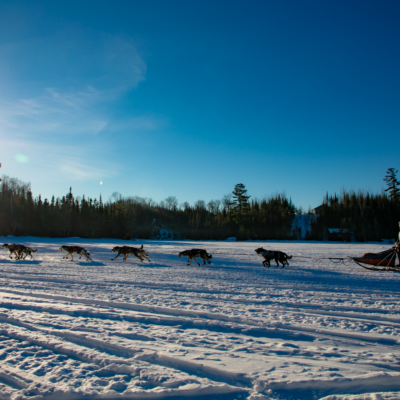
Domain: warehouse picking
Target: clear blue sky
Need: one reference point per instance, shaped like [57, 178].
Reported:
[189, 98]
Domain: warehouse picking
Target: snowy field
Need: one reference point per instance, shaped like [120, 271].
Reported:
[230, 330]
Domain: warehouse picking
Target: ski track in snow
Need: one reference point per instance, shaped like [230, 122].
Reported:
[230, 330]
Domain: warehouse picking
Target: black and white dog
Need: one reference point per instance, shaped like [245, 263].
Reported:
[278, 256]
[70, 250]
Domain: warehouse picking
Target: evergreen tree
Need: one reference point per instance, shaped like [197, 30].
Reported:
[70, 199]
[240, 203]
[392, 183]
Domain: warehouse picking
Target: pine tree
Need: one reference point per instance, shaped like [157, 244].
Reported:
[70, 199]
[240, 203]
[392, 183]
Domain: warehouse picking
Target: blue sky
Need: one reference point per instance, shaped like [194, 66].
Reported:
[189, 98]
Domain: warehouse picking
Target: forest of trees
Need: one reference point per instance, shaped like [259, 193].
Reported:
[360, 216]
[134, 217]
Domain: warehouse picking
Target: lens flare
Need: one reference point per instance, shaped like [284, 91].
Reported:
[21, 158]
[101, 182]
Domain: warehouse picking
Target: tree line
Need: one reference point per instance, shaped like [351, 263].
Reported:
[235, 215]
[359, 216]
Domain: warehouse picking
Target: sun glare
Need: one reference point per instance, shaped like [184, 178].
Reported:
[21, 158]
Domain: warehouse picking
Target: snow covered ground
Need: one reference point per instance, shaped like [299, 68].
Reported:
[230, 330]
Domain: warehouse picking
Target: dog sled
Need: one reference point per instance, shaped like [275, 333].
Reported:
[383, 261]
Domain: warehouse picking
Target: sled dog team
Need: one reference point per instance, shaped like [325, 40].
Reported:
[21, 252]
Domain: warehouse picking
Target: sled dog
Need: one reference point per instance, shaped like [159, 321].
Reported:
[70, 250]
[13, 249]
[25, 250]
[120, 250]
[193, 253]
[128, 250]
[278, 256]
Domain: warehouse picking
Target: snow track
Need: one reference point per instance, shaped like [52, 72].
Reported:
[108, 329]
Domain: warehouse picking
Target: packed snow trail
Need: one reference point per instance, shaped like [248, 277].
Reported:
[233, 329]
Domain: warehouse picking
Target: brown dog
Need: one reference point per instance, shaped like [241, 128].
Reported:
[193, 253]
[70, 250]
[127, 251]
